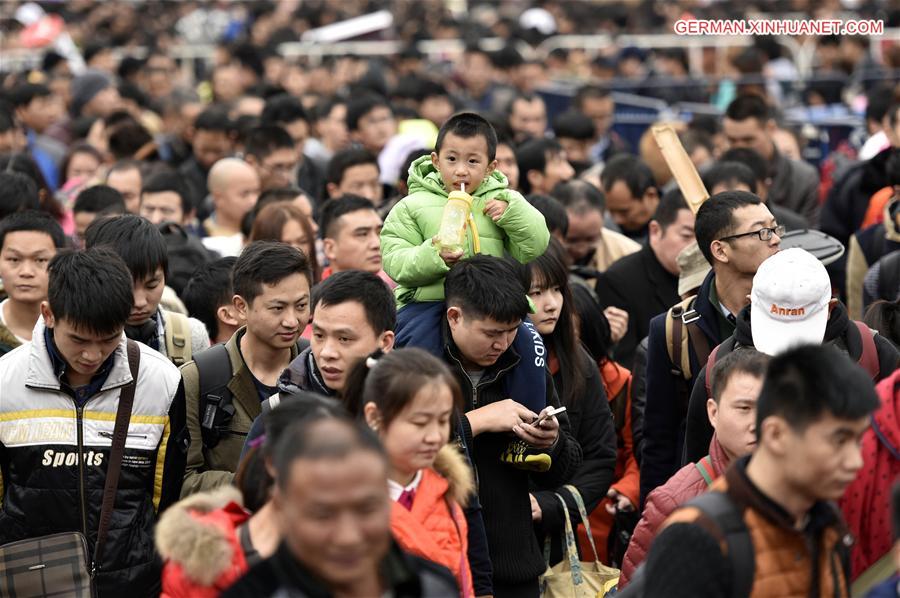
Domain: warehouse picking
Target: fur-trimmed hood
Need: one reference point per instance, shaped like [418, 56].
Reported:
[458, 473]
[198, 534]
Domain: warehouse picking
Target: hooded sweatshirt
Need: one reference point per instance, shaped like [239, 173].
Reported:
[412, 260]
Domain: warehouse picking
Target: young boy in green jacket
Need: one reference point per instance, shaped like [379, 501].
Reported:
[502, 223]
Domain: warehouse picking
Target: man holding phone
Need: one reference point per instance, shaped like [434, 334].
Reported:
[486, 302]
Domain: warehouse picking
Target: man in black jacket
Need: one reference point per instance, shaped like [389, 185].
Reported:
[486, 303]
[331, 496]
[769, 325]
[646, 283]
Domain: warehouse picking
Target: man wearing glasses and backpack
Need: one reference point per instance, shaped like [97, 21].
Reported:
[736, 232]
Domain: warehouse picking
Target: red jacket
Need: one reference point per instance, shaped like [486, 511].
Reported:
[866, 503]
[435, 527]
[686, 484]
[198, 539]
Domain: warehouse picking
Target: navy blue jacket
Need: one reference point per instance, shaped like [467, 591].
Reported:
[666, 409]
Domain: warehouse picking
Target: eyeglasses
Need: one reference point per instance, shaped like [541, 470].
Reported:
[764, 234]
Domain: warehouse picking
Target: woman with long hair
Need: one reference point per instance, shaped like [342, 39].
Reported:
[578, 383]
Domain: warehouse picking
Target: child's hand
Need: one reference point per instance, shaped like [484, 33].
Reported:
[495, 209]
[449, 257]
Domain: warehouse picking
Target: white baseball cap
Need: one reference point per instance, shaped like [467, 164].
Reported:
[789, 301]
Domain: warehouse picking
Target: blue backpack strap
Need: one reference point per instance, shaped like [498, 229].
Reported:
[721, 509]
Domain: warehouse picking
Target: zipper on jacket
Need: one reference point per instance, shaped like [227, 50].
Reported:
[79, 410]
[110, 435]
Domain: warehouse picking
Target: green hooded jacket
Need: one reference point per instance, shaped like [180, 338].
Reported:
[414, 263]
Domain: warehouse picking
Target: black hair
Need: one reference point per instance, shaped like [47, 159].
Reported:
[747, 106]
[24, 93]
[804, 383]
[431, 89]
[468, 125]
[325, 106]
[366, 289]
[522, 97]
[335, 208]
[484, 286]
[32, 221]
[730, 174]
[78, 148]
[91, 289]
[550, 270]
[579, 196]
[17, 192]
[128, 138]
[878, 101]
[168, 180]
[305, 440]
[138, 242]
[267, 262]
[750, 158]
[214, 118]
[694, 138]
[670, 204]
[252, 476]
[593, 327]
[209, 288]
[745, 361]
[393, 381]
[361, 104]
[126, 165]
[283, 109]
[884, 316]
[554, 213]
[407, 162]
[99, 199]
[534, 155]
[7, 120]
[632, 171]
[892, 168]
[260, 142]
[589, 92]
[715, 218]
[574, 125]
[345, 159]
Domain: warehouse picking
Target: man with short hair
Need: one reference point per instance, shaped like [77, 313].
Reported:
[597, 103]
[210, 142]
[38, 109]
[61, 393]
[207, 297]
[795, 184]
[351, 235]
[813, 409]
[736, 233]
[631, 195]
[225, 385]
[527, 117]
[354, 172]
[736, 382]
[542, 164]
[91, 204]
[270, 150]
[164, 198]
[646, 283]
[331, 496]
[28, 241]
[371, 122]
[486, 302]
[126, 177]
[287, 112]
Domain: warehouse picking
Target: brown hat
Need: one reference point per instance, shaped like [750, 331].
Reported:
[694, 269]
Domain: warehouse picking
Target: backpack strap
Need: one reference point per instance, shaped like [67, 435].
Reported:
[710, 364]
[705, 468]
[721, 509]
[177, 329]
[677, 337]
[216, 408]
[868, 359]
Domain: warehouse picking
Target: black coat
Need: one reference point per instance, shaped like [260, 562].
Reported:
[640, 285]
[592, 426]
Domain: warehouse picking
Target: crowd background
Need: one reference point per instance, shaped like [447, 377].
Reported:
[228, 125]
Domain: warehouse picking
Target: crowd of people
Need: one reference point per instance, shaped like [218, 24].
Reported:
[240, 356]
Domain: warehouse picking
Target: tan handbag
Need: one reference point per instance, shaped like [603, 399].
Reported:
[572, 578]
[59, 564]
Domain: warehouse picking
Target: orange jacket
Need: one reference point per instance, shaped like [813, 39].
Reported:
[627, 476]
[435, 527]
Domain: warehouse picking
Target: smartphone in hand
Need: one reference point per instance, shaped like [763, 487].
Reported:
[539, 420]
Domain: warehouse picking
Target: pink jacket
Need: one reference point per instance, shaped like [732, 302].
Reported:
[686, 484]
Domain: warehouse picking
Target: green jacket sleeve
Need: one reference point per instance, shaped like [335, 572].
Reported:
[197, 477]
[525, 228]
[408, 258]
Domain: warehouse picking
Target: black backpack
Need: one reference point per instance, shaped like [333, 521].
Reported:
[186, 255]
[718, 507]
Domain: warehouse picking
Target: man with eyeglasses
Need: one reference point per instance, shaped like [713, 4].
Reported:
[736, 232]
[270, 150]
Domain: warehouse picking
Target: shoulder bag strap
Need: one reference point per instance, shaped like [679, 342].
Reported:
[114, 466]
[868, 358]
[705, 468]
[719, 507]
